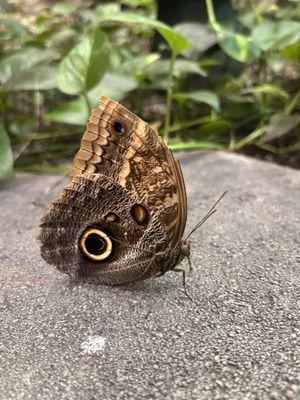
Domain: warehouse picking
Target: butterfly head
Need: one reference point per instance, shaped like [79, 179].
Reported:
[168, 260]
[185, 248]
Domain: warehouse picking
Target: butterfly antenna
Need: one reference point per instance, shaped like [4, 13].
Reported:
[205, 218]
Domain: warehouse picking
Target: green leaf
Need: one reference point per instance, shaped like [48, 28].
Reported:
[75, 112]
[176, 41]
[61, 37]
[136, 65]
[235, 109]
[217, 127]
[105, 10]
[239, 47]
[62, 8]
[292, 52]
[200, 96]
[201, 36]
[276, 34]
[85, 65]
[248, 19]
[269, 89]
[21, 63]
[14, 27]
[275, 62]
[113, 85]
[6, 157]
[36, 78]
[181, 67]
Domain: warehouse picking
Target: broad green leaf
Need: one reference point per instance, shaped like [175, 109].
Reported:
[62, 8]
[61, 37]
[136, 65]
[176, 41]
[75, 112]
[217, 127]
[248, 19]
[14, 27]
[114, 85]
[200, 96]
[85, 65]
[201, 36]
[239, 47]
[22, 62]
[6, 157]
[107, 9]
[292, 52]
[36, 78]
[276, 62]
[276, 34]
[181, 67]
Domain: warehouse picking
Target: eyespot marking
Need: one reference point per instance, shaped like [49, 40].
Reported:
[119, 127]
[95, 244]
[112, 217]
[140, 214]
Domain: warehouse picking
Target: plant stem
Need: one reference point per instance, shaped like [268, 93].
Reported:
[290, 107]
[169, 98]
[249, 138]
[87, 101]
[212, 16]
[257, 12]
[190, 123]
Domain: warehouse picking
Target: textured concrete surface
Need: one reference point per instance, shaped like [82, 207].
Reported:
[241, 341]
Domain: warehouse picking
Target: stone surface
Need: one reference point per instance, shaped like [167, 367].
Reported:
[241, 340]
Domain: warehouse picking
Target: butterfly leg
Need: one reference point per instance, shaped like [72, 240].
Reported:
[184, 283]
[190, 264]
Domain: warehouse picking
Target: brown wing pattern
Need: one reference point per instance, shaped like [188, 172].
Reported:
[86, 200]
[127, 150]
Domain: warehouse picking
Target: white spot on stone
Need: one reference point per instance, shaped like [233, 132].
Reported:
[93, 344]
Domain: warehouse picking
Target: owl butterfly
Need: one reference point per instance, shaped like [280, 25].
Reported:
[122, 215]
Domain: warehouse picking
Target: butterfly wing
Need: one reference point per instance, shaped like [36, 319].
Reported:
[123, 147]
[94, 201]
[126, 182]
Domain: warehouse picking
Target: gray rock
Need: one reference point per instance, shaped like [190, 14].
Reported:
[239, 340]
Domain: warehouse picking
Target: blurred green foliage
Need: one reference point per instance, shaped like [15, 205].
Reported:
[207, 85]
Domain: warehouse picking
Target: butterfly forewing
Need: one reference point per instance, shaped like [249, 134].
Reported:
[136, 158]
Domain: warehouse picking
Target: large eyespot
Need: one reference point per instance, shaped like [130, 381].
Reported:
[95, 244]
[119, 127]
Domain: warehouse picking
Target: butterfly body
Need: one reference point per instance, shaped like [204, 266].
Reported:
[122, 215]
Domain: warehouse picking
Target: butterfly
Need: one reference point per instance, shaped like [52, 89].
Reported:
[122, 215]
